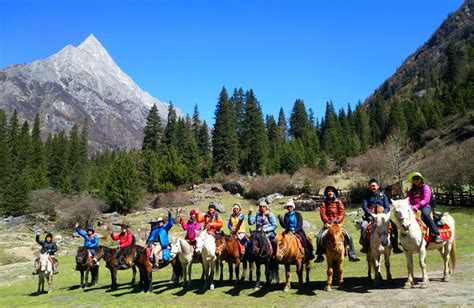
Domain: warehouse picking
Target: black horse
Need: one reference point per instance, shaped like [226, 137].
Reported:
[115, 259]
[263, 253]
[84, 263]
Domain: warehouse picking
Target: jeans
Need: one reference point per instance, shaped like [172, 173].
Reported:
[426, 217]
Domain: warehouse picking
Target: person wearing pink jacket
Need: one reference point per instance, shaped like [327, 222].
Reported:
[419, 197]
[191, 227]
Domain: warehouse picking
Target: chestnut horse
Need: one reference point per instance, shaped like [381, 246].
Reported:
[85, 264]
[112, 257]
[228, 249]
[289, 253]
[333, 240]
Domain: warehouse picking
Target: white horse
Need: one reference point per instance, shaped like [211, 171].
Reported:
[206, 247]
[411, 238]
[379, 244]
[186, 257]
[45, 272]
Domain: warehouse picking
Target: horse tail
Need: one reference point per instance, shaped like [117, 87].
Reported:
[452, 256]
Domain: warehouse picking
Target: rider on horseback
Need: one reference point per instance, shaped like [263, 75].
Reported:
[373, 199]
[46, 246]
[419, 197]
[125, 238]
[332, 211]
[293, 223]
[212, 222]
[159, 236]
[264, 220]
[191, 226]
[91, 241]
[236, 224]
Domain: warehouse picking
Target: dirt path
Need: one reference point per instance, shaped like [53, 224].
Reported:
[458, 291]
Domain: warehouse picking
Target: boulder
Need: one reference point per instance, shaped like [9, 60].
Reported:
[110, 215]
[216, 189]
[20, 222]
[306, 204]
[272, 197]
[234, 187]
[308, 226]
[220, 208]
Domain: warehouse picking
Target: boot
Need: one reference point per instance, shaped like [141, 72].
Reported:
[319, 258]
[394, 239]
[364, 249]
[437, 239]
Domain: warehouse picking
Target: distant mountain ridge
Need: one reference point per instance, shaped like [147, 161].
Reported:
[77, 83]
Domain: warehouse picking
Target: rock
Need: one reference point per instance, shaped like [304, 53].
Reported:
[306, 204]
[269, 199]
[216, 189]
[238, 195]
[234, 187]
[110, 215]
[17, 223]
[308, 226]
[220, 208]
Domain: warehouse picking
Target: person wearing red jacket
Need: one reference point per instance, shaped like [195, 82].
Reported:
[332, 210]
[125, 239]
[212, 222]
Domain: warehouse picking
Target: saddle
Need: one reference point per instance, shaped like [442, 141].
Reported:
[444, 231]
[299, 241]
[270, 246]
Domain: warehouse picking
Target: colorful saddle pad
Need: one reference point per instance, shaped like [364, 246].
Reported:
[444, 231]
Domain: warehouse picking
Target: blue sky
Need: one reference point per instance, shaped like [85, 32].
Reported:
[185, 51]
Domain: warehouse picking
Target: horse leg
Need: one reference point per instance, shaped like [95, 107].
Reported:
[329, 273]
[134, 274]
[340, 271]
[299, 271]
[211, 275]
[205, 273]
[50, 283]
[424, 278]
[113, 277]
[258, 285]
[288, 277]
[308, 269]
[231, 271]
[387, 264]
[87, 279]
[445, 254]
[237, 271]
[82, 280]
[410, 281]
[376, 263]
[40, 278]
[369, 265]
[267, 273]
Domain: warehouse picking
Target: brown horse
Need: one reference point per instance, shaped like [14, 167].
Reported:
[289, 253]
[228, 249]
[333, 240]
[85, 264]
[112, 260]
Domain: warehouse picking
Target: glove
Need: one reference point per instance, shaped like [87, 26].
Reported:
[169, 214]
[414, 208]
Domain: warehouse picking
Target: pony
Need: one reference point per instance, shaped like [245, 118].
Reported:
[411, 238]
[379, 244]
[45, 272]
[112, 257]
[85, 264]
[206, 247]
[228, 249]
[186, 257]
[333, 241]
[262, 254]
[289, 253]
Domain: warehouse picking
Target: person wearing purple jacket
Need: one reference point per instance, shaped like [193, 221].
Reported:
[419, 197]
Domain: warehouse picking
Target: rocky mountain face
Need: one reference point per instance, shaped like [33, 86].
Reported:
[422, 72]
[77, 83]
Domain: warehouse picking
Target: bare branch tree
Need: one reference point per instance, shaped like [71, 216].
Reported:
[396, 148]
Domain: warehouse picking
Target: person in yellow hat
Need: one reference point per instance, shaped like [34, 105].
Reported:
[419, 197]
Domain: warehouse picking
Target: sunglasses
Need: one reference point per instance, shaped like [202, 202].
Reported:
[416, 178]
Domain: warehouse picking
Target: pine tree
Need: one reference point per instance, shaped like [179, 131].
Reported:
[396, 119]
[5, 160]
[190, 153]
[282, 124]
[196, 121]
[225, 151]
[13, 132]
[275, 145]
[172, 169]
[123, 189]
[204, 151]
[298, 120]
[171, 129]
[153, 131]
[255, 143]
[24, 150]
[293, 156]
[362, 127]
[38, 163]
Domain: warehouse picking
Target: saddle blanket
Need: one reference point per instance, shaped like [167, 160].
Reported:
[300, 243]
[444, 231]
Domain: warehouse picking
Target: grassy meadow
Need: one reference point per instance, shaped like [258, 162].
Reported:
[66, 292]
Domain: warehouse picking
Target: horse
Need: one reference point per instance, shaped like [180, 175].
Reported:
[186, 258]
[84, 263]
[379, 244]
[262, 254]
[112, 257]
[206, 247]
[228, 249]
[289, 253]
[45, 272]
[333, 240]
[412, 240]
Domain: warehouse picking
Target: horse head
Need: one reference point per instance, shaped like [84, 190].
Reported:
[81, 255]
[382, 227]
[403, 214]
[45, 263]
[280, 241]
[175, 250]
[334, 238]
[220, 244]
[200, 241]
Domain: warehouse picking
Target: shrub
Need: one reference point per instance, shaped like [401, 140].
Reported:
[174, 201]
[45, 201]
[312, 180]
[357, 192]
[82, 209]
[263, 186]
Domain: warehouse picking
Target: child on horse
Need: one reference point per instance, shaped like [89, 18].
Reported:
[332, 211]
[91, 241]
[159, 236]
[236, 224]
[125, 238]
[264, 220]
[419, 197]
[46, 246]
[191, 226]
[212, 222]
[373, 199]
[293, 223]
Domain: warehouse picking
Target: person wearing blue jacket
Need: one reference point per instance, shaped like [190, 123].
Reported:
[158, 239]
[91, 241]
[264, 220]
[373, 201]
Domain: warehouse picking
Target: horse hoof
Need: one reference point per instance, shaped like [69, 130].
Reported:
[211, 287]
[328, 288]
[257, 288]
[445, 279]
[408, 286]
[50, 291]
[341, 286]
[423, 285]
[286, 289]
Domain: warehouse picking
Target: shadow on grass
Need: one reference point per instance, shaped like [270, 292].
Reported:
[363, 285]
